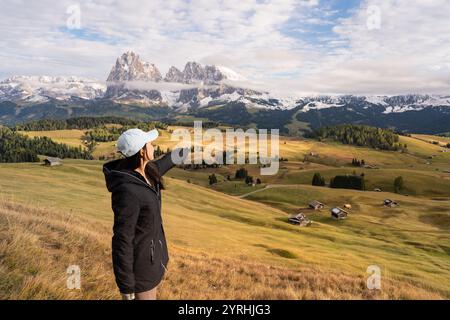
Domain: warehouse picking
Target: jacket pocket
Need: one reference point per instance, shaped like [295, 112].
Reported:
[152, 251]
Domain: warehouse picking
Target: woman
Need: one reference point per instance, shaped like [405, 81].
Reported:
[139, 248]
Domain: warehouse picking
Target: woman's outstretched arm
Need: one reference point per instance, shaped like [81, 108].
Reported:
[165, 163]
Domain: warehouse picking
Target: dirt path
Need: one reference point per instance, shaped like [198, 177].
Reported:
[268, 186]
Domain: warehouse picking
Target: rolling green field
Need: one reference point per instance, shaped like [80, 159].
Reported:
[238, 227]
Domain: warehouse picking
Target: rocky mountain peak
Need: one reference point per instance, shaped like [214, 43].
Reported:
[195, 72]
[129, 67]
[174, 75]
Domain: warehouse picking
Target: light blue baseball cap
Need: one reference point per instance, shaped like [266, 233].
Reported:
[133, 140]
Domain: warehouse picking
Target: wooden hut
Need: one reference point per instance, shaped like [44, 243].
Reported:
[316, 205]
[299, 219]
[52, 161]
[338, 213]
[390, 203]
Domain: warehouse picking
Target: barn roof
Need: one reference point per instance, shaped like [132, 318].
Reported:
[53, 159]
[338, 210]
[315, 203]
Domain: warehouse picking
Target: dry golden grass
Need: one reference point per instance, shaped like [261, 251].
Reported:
[251, 252]
[37, 244]
[71, 137]
[430, 138]
[295, 149]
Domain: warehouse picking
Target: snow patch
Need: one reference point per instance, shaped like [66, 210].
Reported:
[379, 100]
[318, 105]
[398, 109]
[231, 74]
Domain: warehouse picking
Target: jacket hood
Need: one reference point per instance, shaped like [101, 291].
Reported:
[115, 177]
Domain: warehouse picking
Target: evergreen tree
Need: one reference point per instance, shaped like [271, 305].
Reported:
[360, 135]
[318, 180]
[348, 182]
[398, 184]
[212, 179]
[15, 147]
[241, 173]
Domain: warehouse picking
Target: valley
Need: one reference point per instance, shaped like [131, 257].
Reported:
[231, 240]
[306, 151]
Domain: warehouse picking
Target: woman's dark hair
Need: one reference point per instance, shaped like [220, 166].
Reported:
[151, 171]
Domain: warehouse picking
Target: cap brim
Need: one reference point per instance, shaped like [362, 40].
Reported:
[152, 135]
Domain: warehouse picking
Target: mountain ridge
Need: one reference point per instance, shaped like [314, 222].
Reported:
[214, 92]
[132, 80]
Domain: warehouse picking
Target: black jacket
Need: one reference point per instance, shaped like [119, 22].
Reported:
[139, 248]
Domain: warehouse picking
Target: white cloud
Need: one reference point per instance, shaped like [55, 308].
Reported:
[269, 42]
[408, 53]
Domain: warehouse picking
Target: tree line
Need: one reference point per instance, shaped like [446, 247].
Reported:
[83, 123]
[240, 174]
[112, 133]
[360, 135]
[16, 147]
[352, 182]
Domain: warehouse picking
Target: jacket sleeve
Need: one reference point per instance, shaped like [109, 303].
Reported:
[126, 212]
[165, 163]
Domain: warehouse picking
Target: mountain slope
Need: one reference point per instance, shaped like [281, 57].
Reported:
[264, 257]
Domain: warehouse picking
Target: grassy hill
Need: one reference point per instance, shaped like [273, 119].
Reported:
[226, 246]
[430, 138]
[38, 246]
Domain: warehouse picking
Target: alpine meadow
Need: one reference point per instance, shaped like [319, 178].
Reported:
[246, 151]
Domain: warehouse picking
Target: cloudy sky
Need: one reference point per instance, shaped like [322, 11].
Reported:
[299, 46]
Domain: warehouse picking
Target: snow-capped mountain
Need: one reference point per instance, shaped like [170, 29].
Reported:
[217, 93]
[132, 80]
[191, 90]
[414, 102]
[390, 104]
[203, 86]
[130, 67]
[34, 89]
